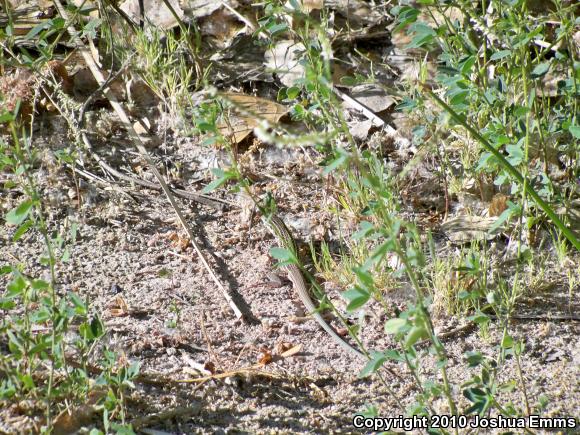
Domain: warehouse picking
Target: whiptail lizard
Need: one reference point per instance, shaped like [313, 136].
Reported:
[286, 241]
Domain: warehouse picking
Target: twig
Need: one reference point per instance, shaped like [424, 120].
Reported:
[138, 143]
[100, 89]
[243, 19]
[400, 141]
[203, 199]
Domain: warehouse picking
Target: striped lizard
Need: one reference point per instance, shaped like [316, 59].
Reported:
[286, 241]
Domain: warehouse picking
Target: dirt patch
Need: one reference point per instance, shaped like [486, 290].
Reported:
[175, 320]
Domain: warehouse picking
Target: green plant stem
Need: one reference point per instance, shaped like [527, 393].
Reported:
[522, 382]
[32, 192]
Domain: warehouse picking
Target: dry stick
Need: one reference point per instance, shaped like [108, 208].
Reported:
[369, 114]
[138, 143]
[202, 199]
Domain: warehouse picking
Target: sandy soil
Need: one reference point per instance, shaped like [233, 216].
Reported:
[127, 251]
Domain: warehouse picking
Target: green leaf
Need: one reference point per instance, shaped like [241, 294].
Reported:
[6, 117]
[458, 97]
[39, 284]
[516, 154]
[40, 315]
[97, 327]
[405, 16]
[17, 215]
[479, 398]
[27, 382]
[466, 64]
[508, 386]
[500, 54]
[394, 355]
[277, 28]
[574, 131]
[507, 342]
[540, 70]
[90, 28]
[79, 304]
[122, 429]
[282, 254]
[415, 334]
[348, 81]
[43, 25]
[357, 297]
[6, 304]
[365, 228]
[223, 177]
[422, 35]
[292, 92]
[474, 358]
[22, 230]
[339, 161]
[395, 326]
[375, 363]
[364, 277]
[502, 218]
[479, 318]
[16, 286]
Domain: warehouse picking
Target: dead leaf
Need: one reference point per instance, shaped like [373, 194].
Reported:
[318, 392]
[246, 113]
[373, 97]
[222, 25]
[360, 129]
[292, 351]
[178, 242]
[464, 229]
[119, 307]
[70, 421]
[265, 358]
[310, 5]
[209, 367]
[498, 204]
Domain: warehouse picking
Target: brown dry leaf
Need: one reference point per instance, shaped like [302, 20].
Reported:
[209, 367]
[70, 422]
[248, 111]
[222, 25]
[360, 129]
[119, 307]
[498, 204]
[463, 229]
[22, 84]
[359, 12]
[310, 5]
[374, 97]
[84, 84]
[283, 347]
[265, 358]
[178, 242]
[292, 351]
[318, 392]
